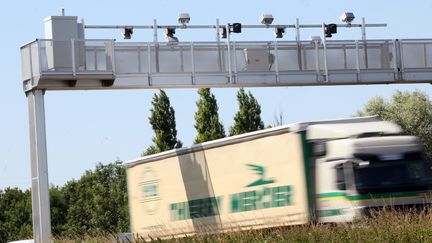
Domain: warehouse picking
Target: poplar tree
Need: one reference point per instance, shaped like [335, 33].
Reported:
[162, 120]
[248, 118]
[207, 122]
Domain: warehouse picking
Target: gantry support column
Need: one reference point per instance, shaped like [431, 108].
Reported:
[39, 167]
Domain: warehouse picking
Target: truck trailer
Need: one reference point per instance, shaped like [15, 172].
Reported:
[323, 171]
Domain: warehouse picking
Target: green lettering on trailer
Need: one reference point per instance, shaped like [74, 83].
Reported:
[269, 197]
[197, 208]
[281, 196]
[267, 192]
[248, 201]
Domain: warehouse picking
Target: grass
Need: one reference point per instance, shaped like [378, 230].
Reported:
[85, 238]
[383, 226]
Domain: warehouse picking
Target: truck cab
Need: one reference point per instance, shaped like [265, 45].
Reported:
[364, 166]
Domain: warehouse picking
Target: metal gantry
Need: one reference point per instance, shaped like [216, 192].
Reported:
[65, 60]
[107, 64]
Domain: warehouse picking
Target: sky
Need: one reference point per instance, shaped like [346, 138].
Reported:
[87, 127]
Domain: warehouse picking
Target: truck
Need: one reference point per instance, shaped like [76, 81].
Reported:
[323, 171]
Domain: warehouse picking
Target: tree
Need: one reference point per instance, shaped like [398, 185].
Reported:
[248, 118]
[162, 120]
[59, 210]
[410, 110]
[207, 119]
[15, 214]
[97, 203]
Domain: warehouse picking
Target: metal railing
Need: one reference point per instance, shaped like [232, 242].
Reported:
[81, 57]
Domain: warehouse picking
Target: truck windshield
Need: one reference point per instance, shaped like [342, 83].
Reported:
[377, 176]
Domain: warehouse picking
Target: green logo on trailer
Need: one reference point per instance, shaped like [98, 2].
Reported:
[260, 171]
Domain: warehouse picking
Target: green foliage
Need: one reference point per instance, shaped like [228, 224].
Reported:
[97, 202]
[93, 205]
[59, 210]
[410, 110]
[162, 120]
[248, 118]
[207, 119]
[15, 215]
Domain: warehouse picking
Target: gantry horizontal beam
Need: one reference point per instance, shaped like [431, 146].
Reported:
[107, 64]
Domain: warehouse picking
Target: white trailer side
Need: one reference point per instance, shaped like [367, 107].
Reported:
[249, 181]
